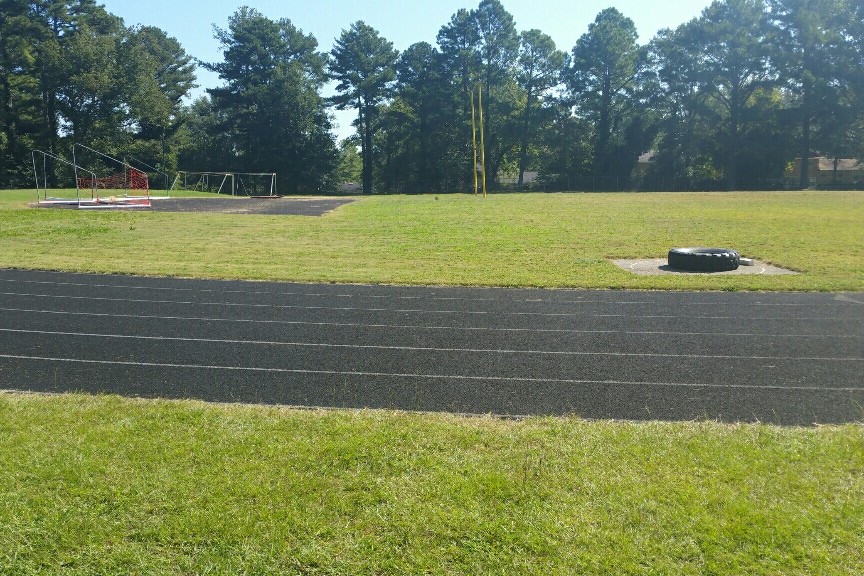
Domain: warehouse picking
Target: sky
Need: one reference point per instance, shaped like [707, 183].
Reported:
[401, 22]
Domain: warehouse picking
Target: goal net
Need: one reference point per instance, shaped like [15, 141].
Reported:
[60, 182]
[255, 184]
[214, 182]
[129, 179]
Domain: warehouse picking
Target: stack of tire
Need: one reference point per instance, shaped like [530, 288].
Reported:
[704, 259]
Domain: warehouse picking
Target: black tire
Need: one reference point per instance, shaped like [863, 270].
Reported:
[703, 259]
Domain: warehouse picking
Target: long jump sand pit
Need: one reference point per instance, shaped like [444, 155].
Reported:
[659, 266]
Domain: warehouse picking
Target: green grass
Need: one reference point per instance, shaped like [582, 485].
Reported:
[547, 240]
[103, 485]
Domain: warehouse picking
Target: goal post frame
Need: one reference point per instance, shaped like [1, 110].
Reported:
[94, 201]
[236, 181]
[40, 198]
[132, 178]
[271, 175]
[182, 177]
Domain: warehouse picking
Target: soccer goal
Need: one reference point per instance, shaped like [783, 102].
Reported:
[151, 170]
[257, 185]
[118, 184]
[60, 182]
[57, 180]
[213, 182]
[253, 184]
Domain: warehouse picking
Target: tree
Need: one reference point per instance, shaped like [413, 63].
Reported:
[55, 23]
[567, 152]
[160, 74]
[458, 40]
[350, 164]
[540, 66]
[203, 141]
[681, 160]
[460, 58]
[811, 62]
[480, 47]
[363, 64]
[733, 40]
[602, 78]
[270, 105]
[92, 98]
[498, 50]
[498, 42]
[18, 91]
[855, 31]
[425, 118]
[76, 69]
[70, 72]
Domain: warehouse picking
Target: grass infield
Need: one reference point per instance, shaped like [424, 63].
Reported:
[546, 240]
[104, 485]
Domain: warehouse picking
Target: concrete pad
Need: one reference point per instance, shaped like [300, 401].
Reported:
[655, 266]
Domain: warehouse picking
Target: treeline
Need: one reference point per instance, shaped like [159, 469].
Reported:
[728, 100]
[71, 72]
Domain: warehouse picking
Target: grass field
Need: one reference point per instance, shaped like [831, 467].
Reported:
[548, 240]
[104, 485]
[113, 486]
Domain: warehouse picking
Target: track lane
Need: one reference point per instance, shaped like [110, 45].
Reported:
[615, 400]
[528, 365]
[839, 319]
[144, 330]
[789, 358]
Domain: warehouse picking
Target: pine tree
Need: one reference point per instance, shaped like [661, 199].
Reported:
[363, 65]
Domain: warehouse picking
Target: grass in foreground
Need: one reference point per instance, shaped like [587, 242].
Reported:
[548, 240]
[95, 485]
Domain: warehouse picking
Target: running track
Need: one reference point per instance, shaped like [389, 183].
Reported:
[781, 358]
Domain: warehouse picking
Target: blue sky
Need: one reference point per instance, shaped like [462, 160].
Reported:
[402, 22]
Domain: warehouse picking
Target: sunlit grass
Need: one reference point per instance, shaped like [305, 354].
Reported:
[548, 240]
[95, 485]
[26, 198]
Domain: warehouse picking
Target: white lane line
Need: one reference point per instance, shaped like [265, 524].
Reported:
[427, 376]
[298, 344]
[848, 300]
[408, 310]
[422, 326]
[423, 297]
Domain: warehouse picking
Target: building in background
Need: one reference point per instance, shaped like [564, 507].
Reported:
[830, 172]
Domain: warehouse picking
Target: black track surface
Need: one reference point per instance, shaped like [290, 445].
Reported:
[781, 358]
[242, 205]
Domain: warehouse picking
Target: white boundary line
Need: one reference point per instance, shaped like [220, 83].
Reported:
[297, 344]
[426, 376]
[409, 310]
[421, 326]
